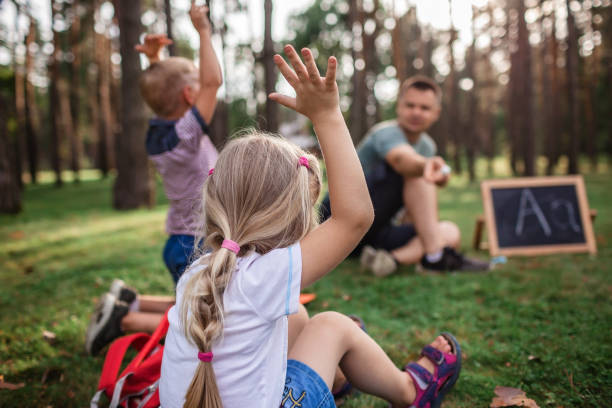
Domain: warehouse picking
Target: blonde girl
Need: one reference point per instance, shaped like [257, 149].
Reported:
[228, 344]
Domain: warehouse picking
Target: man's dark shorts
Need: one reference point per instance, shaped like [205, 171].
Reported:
[385, 187]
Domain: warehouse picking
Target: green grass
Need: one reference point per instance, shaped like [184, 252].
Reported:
[542, 324]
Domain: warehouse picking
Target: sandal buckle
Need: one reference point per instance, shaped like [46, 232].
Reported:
[441, 360]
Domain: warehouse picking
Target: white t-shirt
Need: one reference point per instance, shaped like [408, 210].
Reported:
[250, 360]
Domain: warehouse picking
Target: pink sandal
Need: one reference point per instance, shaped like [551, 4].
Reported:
[431, 389]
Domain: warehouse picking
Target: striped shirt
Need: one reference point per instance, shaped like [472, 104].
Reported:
[183, 155]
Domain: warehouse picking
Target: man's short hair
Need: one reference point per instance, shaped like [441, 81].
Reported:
[421, 83]
[162, 83]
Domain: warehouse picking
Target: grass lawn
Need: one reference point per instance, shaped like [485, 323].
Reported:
[542, 324]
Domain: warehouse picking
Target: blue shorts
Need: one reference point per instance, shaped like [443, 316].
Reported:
[177, 254]
[305, 388]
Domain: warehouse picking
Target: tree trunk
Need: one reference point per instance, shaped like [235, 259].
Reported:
[106, 124]
[66, 126]
[572, 90]
[358, 81]
[10, 191]
[554, 136]
[472, 122]
[168, 12]
[55, 135]
[453, 93]
[271, 109]
[132, 188]
[75, 68]
[371, 113]
[525, 95]
[31, 107]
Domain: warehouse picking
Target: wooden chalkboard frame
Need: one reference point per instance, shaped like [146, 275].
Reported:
[577, 181]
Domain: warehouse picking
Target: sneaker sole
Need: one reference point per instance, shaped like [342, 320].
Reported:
[104, 308]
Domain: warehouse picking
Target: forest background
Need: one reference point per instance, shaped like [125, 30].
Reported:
[530, 80]
[527, 91]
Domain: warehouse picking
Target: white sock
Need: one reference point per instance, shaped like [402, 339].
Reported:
[135, 306]
[435, 257]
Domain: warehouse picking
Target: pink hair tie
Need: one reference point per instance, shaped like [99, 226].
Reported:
[231, 245]
[210, 172]
[205, 357]
[304, 162]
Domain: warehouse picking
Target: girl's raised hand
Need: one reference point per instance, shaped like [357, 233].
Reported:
[316, 96]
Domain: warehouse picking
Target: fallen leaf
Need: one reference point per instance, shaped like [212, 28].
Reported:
[17, 235]
[9, 386]
[511, 397]
[346, 297]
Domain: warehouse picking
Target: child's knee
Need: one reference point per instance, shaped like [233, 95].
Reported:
[331, 321]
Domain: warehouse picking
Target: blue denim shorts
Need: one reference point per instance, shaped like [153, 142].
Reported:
[177, 254]
[305, 388]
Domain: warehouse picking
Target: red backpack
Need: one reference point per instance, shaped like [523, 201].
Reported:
[137, 386]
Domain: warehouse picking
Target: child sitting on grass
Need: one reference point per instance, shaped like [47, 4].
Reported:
[184, 100]
[229, 337]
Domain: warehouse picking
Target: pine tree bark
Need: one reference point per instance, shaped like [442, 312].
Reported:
[453, 93]
[10, 191]
[526, 94]
[74, 91]
[271, 109]
[31, 107]
[572, 90]
[357, 110]
[132, 188]
[107, 122]
[55, 134]
[169, 24]
[554, 136]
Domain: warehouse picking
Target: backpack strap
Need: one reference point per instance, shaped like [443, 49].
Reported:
[115, 355]
[151, 344]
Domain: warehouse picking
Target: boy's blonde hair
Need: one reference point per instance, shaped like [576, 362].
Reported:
[262, 198]
[162, 83]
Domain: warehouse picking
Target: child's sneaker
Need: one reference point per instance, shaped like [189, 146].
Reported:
[122, 292]
[105, 324]
[451, 260]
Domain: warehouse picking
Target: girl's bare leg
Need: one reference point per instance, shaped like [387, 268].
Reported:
[331, 339]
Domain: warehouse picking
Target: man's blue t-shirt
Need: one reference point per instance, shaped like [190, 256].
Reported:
[384, 137]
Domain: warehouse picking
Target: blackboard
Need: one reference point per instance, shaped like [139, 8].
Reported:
[537, 215]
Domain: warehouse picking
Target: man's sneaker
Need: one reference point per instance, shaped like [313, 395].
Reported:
[105, 324]
[451, 260]
[122, 292]
[367, 256]
[379, 261]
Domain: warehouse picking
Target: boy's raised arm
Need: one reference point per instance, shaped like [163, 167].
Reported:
[351, 207]
[210, 70]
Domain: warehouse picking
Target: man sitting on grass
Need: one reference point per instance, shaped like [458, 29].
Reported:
[402, 170]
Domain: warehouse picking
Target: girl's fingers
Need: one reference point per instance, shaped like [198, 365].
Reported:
[287, 72]
[283, 100]
[330, 76]
[296, 63]
[311, 66]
